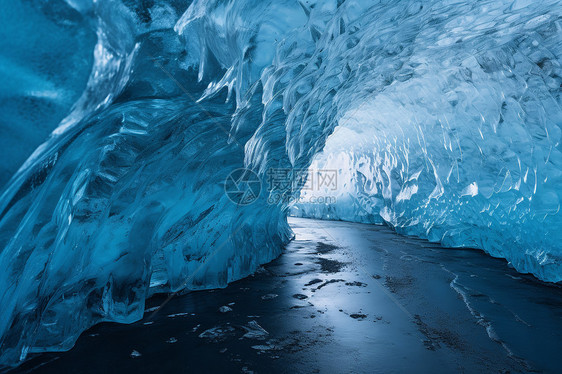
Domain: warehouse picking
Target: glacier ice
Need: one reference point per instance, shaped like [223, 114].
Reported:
[441, 117]
[42, 74]
[462, 146]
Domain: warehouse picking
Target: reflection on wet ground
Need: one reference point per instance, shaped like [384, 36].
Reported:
[345, 298]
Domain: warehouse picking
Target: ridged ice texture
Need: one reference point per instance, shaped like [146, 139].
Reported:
[127, 196]
[462, 144]
[447, 118]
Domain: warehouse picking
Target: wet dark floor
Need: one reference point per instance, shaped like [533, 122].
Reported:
[343, 298]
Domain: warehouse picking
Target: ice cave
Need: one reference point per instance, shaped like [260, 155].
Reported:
[262, 186]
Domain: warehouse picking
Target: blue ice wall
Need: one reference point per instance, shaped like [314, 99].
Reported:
[453, 133]
[444, 120]
[45, 61]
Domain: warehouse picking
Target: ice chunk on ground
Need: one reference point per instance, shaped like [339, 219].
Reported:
[255, 331]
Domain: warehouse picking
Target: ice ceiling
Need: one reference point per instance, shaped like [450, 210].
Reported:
[442, 119]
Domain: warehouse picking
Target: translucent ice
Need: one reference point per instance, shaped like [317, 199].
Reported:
[442, 118]
[45, 60]
[459, 139]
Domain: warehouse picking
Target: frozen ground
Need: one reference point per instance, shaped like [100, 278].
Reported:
[346, 298]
